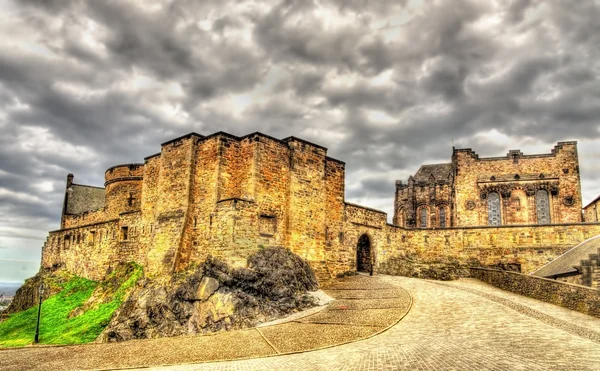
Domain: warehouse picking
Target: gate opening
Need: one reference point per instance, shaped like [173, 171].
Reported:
[363, 254]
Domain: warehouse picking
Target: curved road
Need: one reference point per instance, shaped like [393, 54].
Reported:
[461, 325]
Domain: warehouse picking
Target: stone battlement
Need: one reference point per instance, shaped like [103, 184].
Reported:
[226, 196]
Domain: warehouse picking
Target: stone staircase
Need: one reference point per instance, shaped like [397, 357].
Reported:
[590, 270]
[583, 258]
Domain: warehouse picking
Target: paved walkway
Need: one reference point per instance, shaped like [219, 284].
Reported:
[363, 308]
[460, 325]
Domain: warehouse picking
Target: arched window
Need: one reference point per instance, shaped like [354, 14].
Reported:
[442, 217]
[542, 206]
[423, 218]
[493, 202]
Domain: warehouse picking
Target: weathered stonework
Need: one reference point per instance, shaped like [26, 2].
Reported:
[591, 212]
[227, 196]
[461, 193]
[574, 297]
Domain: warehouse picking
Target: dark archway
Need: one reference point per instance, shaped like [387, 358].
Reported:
[363, 254]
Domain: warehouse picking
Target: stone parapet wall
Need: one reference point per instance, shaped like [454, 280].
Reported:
[125, 171]
[89, 217]
[580, 298]
[86, 251]
[528, 246]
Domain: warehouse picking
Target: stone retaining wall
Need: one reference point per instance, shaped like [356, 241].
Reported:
[580, 298]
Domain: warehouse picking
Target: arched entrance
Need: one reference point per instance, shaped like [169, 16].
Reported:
[363, 254]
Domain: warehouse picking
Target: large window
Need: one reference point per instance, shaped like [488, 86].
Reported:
[423, 218]
[442, 217]
[494, 215]
[542, 206]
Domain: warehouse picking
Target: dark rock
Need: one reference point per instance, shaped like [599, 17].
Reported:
[216, 297]
[27, 295]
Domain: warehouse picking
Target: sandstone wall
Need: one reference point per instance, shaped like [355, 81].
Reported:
[271, 190]
[528, 246]
[591, 213]
[558, 172]
[171, 216]
[85, 250]
[580, 298]
[88, 217]
[202, 204]
[336, 253]
[306, 210]
[123, 186]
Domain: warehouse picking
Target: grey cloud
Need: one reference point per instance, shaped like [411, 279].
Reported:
[458, 69]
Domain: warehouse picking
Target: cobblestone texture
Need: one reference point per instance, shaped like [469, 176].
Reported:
[458, 326]
[462, 325]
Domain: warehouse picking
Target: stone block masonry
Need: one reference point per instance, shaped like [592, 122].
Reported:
[591, 212]
[228, 196]
[515, 189]
[582, 299]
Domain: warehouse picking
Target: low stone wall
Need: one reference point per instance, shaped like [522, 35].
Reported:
[580, 298]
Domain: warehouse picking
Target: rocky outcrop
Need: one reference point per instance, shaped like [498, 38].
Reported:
[27, 295]
[216, 297]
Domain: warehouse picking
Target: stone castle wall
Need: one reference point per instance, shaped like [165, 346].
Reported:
[529, 246]
[227, 196]
[579, 298]
[516, 178]
[591, 213]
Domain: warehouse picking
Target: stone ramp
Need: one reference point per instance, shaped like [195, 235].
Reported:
[571, 261]
[361, 314]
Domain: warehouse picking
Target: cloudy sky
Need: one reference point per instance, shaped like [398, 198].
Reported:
[386, 85]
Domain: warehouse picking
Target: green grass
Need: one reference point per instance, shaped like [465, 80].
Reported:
[56, 327]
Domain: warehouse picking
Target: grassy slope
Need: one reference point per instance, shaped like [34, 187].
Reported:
[56, 327]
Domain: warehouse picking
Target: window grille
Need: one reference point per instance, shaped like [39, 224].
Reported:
[494, 215]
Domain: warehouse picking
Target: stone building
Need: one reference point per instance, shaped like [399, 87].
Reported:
[219, 194]
[591, 212]
[515, 189]
[227, 196]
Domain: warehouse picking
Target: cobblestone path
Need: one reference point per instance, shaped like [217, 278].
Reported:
[462, 325]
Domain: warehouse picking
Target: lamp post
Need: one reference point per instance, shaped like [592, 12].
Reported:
[37, 327]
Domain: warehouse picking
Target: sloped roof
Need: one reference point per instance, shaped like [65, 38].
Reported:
[84, 198]
[439, 172]
[591, 203]
[571, 259]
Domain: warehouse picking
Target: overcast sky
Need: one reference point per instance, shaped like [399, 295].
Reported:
[385, 85]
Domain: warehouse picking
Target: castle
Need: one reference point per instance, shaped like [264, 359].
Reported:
[515, 189]
[227, 196]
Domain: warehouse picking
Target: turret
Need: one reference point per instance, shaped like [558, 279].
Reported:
[123, 188]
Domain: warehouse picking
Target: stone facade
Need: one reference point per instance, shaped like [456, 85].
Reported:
[227, 196]
[219, 194]
[471, 191]
[591, 212]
